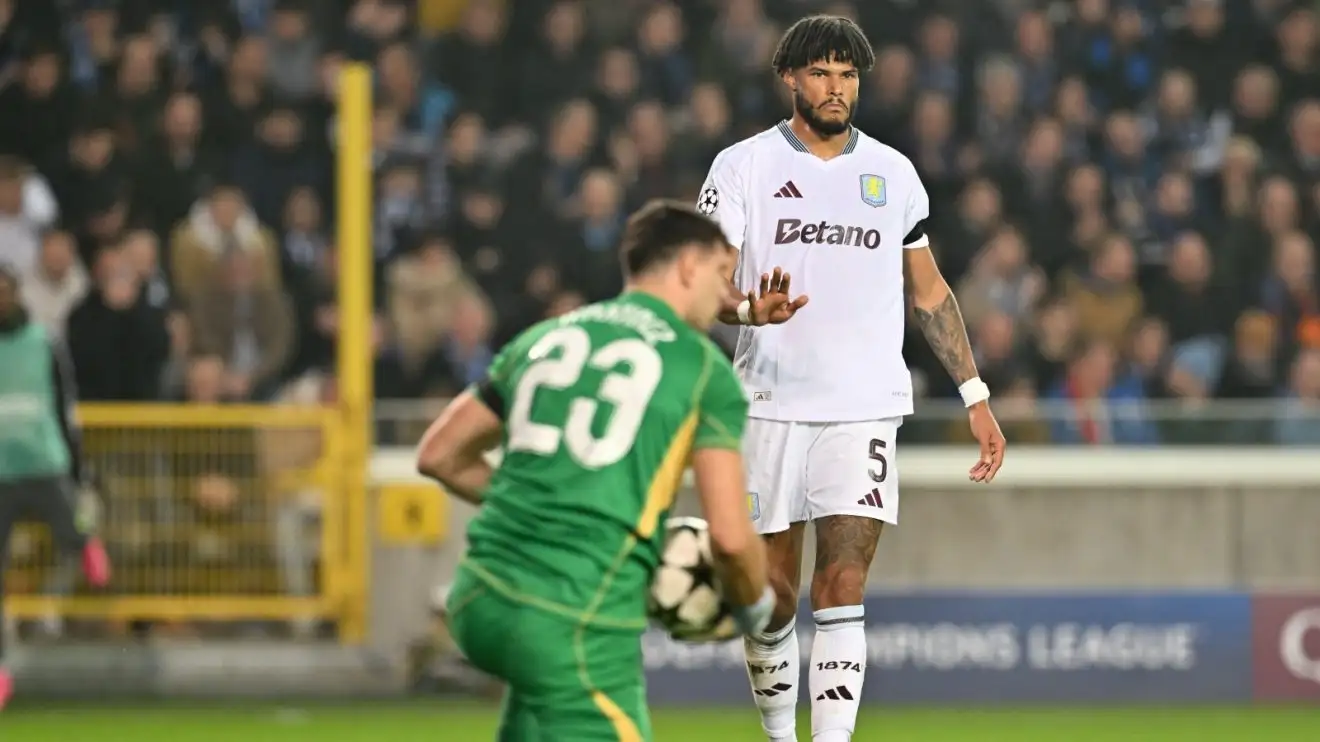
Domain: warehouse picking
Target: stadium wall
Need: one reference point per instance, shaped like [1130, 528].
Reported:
[1113, 519]
[1079, 577]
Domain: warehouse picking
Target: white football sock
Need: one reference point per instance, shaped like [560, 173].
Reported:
[773, 667]
[838, 667]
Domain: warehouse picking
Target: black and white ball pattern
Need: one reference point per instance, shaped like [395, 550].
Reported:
[686, 600]
[709, 201]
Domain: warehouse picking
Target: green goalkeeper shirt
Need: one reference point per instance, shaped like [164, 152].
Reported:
[602, 409]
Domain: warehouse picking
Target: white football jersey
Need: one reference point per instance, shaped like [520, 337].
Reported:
[838, 227]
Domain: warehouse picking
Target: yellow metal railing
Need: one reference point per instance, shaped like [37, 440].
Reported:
[204, 505]
[209, 513]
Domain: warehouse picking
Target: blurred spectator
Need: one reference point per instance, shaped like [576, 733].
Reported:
[996, 348]
[138, 93]
[616, 89]
[1251, 372]
[1093, 409]
[425, 290]
[142, 251]
[245, 323]
[39, 110]
[118, 343]
[1183, 130]
[56, 284]
[174, 173]
[710, 128]
[886, 103]
[1054, 337]
[1289, 293]
[1297, 41]
[1144, 366]
[560, 68]
[20, 243]
[1207, 49]
[277, 162]
[469, 350]
[1001, 280]
[1305, 131]
[1189, 303]
[666, 72]
[1001, 124]
[1256, 108]
[1034, 192]
[1035, 55]
[295, 52]
[89, 181]
[220, 224]
[304, 242]
[234, 106]
[400, 209]
[1105, 295]
[1077, 114]
[1299, 421]
[471, 61]
[979, 216]
[593, 234]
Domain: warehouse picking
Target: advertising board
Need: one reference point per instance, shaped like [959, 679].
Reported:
[1285, 644]
[1010, 648]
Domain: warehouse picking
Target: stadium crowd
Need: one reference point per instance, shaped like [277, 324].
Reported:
[1126, 193]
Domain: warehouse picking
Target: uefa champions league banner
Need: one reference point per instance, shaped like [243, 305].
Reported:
[1011, 648]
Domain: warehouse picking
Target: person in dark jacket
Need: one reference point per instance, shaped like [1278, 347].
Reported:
[39, 448]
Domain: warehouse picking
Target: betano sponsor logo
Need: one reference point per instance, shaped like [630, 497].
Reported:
[794, 231]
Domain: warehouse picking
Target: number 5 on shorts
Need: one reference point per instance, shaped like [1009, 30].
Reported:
[878, 454]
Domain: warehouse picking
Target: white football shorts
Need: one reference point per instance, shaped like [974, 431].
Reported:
[802, 471]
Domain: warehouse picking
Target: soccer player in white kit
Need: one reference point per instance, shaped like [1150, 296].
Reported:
[845, 217]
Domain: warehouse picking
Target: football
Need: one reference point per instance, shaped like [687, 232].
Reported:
[686, 599]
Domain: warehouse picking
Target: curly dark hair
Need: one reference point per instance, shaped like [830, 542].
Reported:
[823, 38]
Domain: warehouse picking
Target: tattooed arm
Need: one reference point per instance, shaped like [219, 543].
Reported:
[937, 314]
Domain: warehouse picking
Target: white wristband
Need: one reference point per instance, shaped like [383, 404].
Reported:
[974, 391]
[745, 312]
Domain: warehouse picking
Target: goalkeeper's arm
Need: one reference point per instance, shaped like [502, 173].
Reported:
[453, 450]
[739, 552]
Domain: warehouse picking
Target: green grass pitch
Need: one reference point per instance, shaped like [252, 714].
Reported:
[428, 722]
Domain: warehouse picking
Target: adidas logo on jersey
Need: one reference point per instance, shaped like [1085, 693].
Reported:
[789, 191]
[790, 231]
[872, 499]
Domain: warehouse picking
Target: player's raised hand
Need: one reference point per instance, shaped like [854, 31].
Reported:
[773, 305]
[987, 433]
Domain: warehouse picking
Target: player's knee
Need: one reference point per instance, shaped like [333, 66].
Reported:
[786, 601]
[838, 585]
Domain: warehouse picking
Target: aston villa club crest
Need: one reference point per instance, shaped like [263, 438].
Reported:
[873, 190]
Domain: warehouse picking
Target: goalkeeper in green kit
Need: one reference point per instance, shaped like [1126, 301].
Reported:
[599, 413]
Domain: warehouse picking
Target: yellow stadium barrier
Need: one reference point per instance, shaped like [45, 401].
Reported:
[209, 514]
